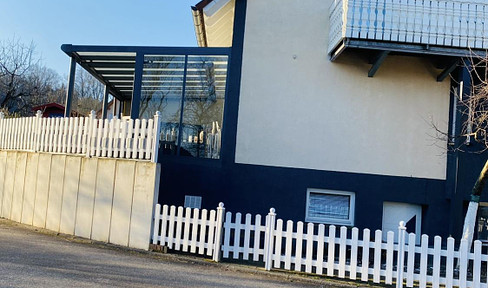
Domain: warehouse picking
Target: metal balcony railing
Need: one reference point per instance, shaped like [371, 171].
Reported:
[448, 23]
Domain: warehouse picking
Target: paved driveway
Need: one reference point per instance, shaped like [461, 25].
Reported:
[32, 259]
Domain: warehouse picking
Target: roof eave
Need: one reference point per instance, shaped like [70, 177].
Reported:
[199, 24]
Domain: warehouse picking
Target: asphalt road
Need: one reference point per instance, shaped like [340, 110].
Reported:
[32, 259]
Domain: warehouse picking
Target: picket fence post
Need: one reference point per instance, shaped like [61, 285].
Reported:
[3, 131]
[268, 240]
[156, 135]
[38, 130]
[91, 118]
[155, 224]
[401, 253]
[219, 226]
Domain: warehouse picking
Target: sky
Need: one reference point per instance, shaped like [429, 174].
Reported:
[51, 23]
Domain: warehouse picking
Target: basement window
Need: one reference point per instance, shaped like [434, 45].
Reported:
[330, 207]
[193, 202]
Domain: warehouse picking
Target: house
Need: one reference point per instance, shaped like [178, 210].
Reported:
[323, 110]
[113, 109]
[53, 110]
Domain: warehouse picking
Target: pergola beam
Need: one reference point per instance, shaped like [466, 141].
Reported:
[111, 64]
[107, 58]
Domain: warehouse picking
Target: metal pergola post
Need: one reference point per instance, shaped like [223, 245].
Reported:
[182, 107]
[105, 102]
[71, 87]
[136, 93]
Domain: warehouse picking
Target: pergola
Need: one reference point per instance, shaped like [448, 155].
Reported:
[121, 70]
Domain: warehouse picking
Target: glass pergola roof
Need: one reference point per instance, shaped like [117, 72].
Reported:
[117, 66]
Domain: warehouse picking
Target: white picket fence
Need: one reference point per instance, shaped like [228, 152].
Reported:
[115, 138]
[336, 252]
[189, 230]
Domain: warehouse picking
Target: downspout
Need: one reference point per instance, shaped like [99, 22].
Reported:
[199, 24]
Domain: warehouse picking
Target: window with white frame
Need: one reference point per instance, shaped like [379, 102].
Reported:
[330, 207]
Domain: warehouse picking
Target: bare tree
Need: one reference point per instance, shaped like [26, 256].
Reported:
[41, 83]
[16, 62]
[155, 98]
[88, 93]
[57, 95]
[24, 81]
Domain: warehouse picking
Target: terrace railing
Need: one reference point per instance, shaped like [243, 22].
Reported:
[115, 138]
[450, 23]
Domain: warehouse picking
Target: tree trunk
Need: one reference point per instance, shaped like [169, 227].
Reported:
[470, 219]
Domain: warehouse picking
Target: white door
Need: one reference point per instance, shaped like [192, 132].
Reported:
[394, 212]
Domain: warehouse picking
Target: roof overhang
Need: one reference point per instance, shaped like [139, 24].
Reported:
[112, 67]
[214, 22]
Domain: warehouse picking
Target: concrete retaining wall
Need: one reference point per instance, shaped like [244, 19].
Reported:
[108, 200]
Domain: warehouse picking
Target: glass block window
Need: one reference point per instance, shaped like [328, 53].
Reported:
[193, 201]
[330, 207]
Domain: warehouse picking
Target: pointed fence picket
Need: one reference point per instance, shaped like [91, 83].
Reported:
[341, 252]
[88, 136]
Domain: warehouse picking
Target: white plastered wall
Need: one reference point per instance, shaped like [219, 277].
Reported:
[299, 109]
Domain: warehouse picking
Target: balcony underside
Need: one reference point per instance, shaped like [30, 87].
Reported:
[424, 49]
[445, 28]
[444, 58]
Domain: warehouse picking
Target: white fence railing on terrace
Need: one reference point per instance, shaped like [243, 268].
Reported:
[115, 138]
[338, 252]
[452, 23]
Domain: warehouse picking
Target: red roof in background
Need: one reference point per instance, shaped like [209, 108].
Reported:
[49, 105]
[54, 110]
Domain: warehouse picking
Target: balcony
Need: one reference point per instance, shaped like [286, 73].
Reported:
[434, 27]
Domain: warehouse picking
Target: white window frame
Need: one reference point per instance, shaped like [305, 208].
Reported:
[327, 220]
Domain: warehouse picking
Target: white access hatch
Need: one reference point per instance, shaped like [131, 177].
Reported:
[394, 212]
